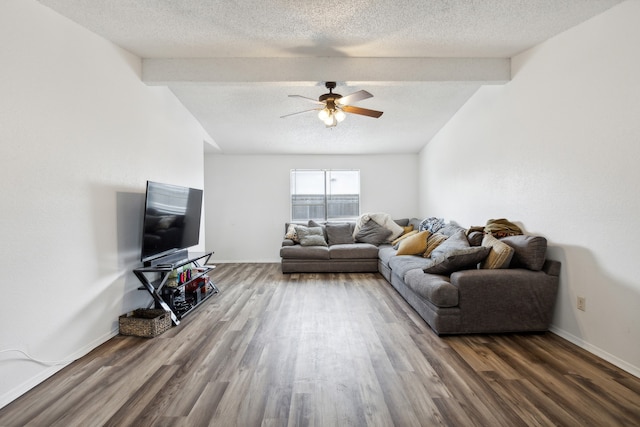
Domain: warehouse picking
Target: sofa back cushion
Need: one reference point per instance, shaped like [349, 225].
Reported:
[529, 251]
[339, 233]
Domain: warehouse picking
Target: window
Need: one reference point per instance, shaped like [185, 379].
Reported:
[324, 194]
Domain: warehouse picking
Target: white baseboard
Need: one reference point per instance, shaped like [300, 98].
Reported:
[18, 391]
[633, 370]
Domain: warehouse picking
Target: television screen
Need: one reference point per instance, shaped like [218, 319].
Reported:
[171, 219]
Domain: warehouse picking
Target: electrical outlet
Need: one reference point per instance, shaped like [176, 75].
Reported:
[582, 303]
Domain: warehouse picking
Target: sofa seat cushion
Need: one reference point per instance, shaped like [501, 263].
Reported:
[400, 264]
[385, 253]
[353, 251]
[432, 287]
[304, 252]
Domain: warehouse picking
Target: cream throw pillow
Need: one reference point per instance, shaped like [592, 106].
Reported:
[291, 233]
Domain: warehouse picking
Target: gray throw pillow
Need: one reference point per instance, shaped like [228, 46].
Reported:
[458, 259]
[312, 223]
[310, 236]
[339, 234]
[456, 241]
[450, 228]
[373, 233]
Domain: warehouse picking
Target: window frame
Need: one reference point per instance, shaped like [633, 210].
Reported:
[323, 197]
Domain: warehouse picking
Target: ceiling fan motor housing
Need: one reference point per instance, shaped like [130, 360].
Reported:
[330, 99]
[330, 96]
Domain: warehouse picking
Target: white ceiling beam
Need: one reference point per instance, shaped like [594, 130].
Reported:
[312, 70]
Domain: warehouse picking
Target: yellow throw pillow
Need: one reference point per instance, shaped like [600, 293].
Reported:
[404, 236]
[500, 254]
[408, 229]
[414, 244]
[433, 242]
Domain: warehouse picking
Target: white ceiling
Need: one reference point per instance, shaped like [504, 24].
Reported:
[232, 64]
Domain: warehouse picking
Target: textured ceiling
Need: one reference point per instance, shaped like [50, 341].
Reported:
[296, 45]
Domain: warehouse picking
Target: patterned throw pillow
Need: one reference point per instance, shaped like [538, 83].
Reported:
[431, 224]
[291, 233]
[434, 240]
[500, 253]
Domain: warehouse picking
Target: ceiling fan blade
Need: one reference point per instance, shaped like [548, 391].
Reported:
[354, 97]
[315, 101]
[299, 112]
[362, 111]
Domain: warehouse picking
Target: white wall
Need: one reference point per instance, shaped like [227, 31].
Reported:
[79, 136]
[247, 197]
[557, 150]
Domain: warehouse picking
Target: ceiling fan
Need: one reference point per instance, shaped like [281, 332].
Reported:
[333, 106]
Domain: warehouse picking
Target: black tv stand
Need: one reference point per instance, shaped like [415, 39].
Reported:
[170, 259]
[178, 284]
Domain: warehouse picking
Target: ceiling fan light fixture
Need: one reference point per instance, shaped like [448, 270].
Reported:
[330, 120]
[334, 107]
[324, 114]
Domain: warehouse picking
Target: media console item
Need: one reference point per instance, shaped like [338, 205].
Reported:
[171, 222]
[178, 287]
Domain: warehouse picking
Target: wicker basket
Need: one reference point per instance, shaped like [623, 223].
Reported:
[144, 322]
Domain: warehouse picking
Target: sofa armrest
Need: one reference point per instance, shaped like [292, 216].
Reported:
[552, 267]
[288, 242]
[506, 299]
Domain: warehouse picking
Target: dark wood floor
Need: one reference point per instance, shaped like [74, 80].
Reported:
[326, 350]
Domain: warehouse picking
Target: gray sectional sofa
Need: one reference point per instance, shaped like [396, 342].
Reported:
[448, 290]
[339, 255]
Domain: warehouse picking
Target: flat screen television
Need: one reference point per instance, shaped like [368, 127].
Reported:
[171, 220]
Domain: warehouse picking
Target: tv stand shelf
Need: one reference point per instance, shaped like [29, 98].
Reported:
[178, 286]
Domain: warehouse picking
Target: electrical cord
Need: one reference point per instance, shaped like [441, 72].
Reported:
[42, 362]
